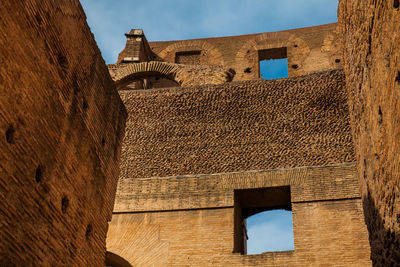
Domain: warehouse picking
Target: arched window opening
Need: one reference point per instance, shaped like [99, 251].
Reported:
[150, 82]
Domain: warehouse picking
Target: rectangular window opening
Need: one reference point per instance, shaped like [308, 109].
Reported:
[188, 57]
[263, 220]
[273, 63]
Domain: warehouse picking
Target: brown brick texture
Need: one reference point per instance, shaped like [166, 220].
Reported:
[238, 126]
[184, 75]
[186, 151]
[62, 123]
[216, 190]
[308, 50]
[371, 43]
[189, 220]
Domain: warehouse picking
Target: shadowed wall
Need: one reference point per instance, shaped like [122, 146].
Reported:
[371, 39]
[62, 123]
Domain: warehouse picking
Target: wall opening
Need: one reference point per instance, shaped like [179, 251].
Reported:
[150, 82]
[273, 63]
[188, 57]
[263, 220]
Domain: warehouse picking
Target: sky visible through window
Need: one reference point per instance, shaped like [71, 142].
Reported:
[274, 68]
[270, 231]
[164, 20]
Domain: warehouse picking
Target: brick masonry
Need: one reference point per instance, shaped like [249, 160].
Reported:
[62, 123]
[238, 126]
[189, 220]
[216, 190]
[308, 50]
[371, 39]
[183, 75]
[187, 149]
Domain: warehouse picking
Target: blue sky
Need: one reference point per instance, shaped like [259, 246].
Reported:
[164, 20]
[270, 231]
[274, 68]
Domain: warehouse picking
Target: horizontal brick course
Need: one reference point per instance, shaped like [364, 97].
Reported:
[212, 191]
[328, 233]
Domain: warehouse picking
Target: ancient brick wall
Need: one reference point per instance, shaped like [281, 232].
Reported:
[189, 220]
[238, 126]
[307, 49]
[216, 190]
[61, 123]
[371, 41]
[165, 217]
[183, 75]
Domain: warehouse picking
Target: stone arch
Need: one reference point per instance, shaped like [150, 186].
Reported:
[297, 48]
[210, 54]
[113, 260]
[123, 74]
[183, 75]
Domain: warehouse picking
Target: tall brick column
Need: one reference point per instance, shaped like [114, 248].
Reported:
[61, 126]
[371, 40]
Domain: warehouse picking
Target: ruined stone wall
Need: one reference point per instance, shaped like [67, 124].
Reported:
[165, 217]
[238, 126]
[183, 75]
[307, 49]
[61, 123]
[371, 39]
[189, 220]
